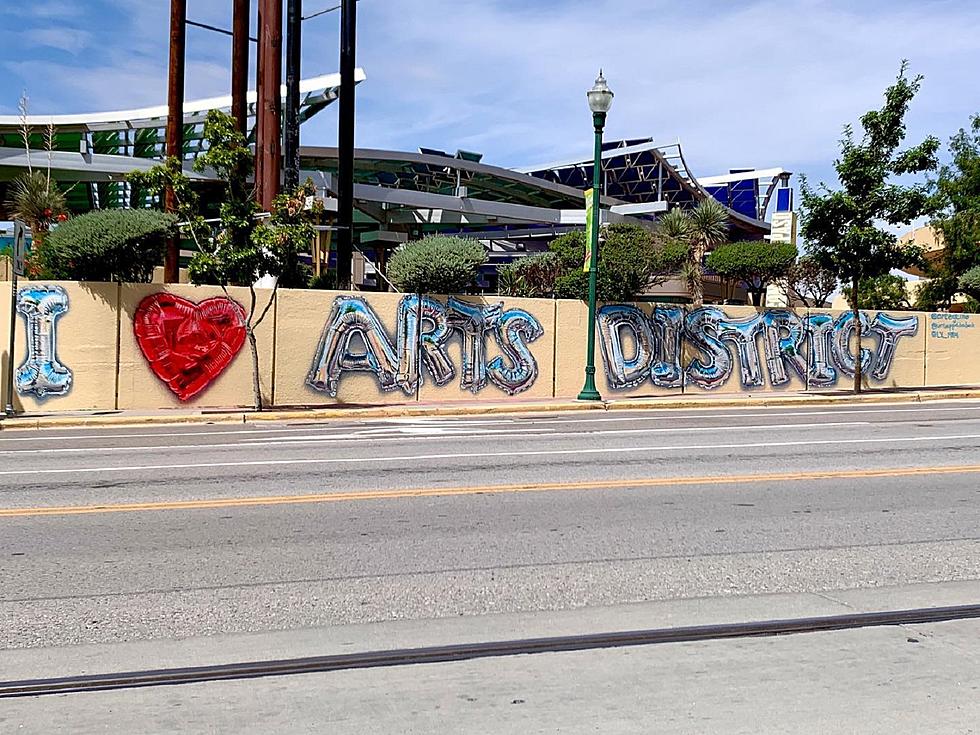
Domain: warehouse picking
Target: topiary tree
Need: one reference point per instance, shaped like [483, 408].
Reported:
[883, 292]
[844, 227]
[753, 264]
[631, 260]
[122, 245]
[436, 264]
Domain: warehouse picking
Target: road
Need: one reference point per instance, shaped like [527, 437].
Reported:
[151, 534]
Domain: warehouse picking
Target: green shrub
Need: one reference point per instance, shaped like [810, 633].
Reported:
[326, 281]
[533, 276]
[631, 259]
[108, 245]
[436, 264]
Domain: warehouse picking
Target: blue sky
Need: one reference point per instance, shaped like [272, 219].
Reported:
[739, 83]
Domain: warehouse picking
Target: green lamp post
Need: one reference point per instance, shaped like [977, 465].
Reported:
[600, 100]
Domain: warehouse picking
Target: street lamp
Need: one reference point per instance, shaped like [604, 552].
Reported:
[600, 100]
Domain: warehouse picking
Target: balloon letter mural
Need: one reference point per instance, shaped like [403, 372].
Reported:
[355, 340]
[637, 347]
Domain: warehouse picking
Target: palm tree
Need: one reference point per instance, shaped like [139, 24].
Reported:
[708, 223]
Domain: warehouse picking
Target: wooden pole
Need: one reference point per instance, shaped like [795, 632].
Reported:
[175, 123]
[290, 146]
[268, 143]
[239, 64]
[345, 143]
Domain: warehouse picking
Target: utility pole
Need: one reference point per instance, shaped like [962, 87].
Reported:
[345, 143]
[239, 64]
[175, 123]
[268, 146]
[294, 23]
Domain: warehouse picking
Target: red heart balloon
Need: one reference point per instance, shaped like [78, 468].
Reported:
[188, 345]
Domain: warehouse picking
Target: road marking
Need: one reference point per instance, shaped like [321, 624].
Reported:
[251, 443]
[405, 435]
[435, 492]
[532, 418]
[547, 434]
[474, 455]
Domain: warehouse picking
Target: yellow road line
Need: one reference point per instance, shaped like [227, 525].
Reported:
[428, 492]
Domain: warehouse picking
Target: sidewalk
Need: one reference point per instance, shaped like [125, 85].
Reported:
[73, 419]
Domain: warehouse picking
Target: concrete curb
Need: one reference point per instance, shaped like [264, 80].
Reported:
[405, 411]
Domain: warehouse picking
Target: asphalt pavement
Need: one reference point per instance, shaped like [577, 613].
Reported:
[152, 534]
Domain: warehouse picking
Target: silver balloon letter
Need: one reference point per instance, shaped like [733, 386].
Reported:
[515, 329]
[611, 321]
[352, 317]
[41, 373]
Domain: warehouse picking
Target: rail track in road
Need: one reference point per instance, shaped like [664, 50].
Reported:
[469, 651]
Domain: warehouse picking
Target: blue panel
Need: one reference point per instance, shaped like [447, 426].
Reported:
[784, 200]
[743, 197]
[719, 192]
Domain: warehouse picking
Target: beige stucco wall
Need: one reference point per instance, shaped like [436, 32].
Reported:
[140, 388]
[95, 340]
[86, 345]
[953, 348]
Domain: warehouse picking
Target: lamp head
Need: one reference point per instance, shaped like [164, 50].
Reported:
[600, 96]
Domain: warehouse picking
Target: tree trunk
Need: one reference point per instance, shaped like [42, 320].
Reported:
[697, 276]
[858, 332]
[256, 385]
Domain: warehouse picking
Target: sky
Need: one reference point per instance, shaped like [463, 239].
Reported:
[740, 84]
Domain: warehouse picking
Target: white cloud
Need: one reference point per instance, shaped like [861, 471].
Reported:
[755, 83]
[71, 40]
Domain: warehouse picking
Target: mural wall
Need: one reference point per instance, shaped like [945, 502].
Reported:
[105, 346]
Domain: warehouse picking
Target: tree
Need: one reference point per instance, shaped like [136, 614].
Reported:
[882, 292]
[240, 250]
[842, 226]
[121, 245]
[701, 229]
[809, 283]
[437, 264]
[631, 260]
[957, 224]
[754, 264]
[969, 283]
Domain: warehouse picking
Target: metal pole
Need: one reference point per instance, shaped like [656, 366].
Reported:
[589, 392]
[268, 143]
[9, 407]
[345, 143]
[239, 64]
[175, 123]
[294, 24]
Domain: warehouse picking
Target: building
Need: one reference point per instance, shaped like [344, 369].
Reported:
[403, 195]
